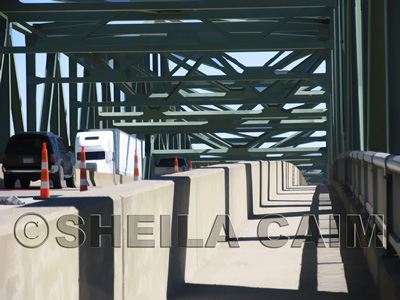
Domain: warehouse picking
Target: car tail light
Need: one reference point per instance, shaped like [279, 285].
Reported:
[6, 159]
[53, 158]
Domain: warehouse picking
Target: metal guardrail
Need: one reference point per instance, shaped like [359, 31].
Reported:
[374, 179]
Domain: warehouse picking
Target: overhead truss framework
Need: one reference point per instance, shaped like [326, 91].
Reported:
[208, 80]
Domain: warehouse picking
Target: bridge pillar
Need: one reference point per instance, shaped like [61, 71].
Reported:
[392, 11]
[376, 126]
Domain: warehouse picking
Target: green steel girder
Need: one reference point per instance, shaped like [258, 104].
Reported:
[216, 115]
[201, 161]
[78, 17]
[175, 29]
[14, 6]
[10, 101]
[239, 151]
[208, 33]
[134, 52]
[205, 126]
[234, 99]
[162, 44]
[253, 74]
[240, 141]
[245, 156]
[5, 101]
[211, 140]
[95, 65]
[93, 17]
[392, 64]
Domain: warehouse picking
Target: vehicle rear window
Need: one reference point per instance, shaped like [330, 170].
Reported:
[27, 144]
[91, 138]
[92, 155]
[170, 162]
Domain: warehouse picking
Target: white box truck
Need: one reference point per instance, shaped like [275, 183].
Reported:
[103, 147]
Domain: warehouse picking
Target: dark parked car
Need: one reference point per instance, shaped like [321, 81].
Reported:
[23, 157]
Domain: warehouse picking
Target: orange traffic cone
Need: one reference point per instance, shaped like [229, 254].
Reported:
[176, 170]
[84, 183]
[136, 170]
[190, 165]
[44, 184]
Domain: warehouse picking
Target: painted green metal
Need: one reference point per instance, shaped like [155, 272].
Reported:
[376, 78]
[392, 10]
[48, 96]
[169, 71]
[73, 99]
[162, 6]
[31, 92]
[360, 71]
[5, 101]
[15, 98]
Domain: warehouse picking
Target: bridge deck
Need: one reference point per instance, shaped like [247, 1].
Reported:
[254, 271]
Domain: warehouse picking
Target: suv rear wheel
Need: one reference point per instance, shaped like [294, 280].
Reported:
[25, 183]
[9, 182]
[71, 181]
[60, 178]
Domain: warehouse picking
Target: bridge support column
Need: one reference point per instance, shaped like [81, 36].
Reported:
[392, 12]
[5, 99]
[73, 99]
[376, 126]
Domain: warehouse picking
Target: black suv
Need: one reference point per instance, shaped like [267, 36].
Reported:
[23, 158]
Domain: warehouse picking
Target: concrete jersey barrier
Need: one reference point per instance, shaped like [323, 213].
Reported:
[99, 270]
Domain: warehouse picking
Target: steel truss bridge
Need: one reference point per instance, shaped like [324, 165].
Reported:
[300, 81]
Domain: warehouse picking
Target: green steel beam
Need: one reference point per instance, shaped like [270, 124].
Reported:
[212, 115]
[241, 151]
[15, 98]
[73, 99]
[76, 18]
[117, 91]
[31, 103]
[249, 74]
[237, 158]
[159, 44]
[360, 71]
[288, 139]
[211, 140]
[245, 141]
[350, 93]
[376, 127]
[48, 92]
[162, 6]
[98, 65]
[392, 11]
[86, 98]
[89, 37]
[204, 127]
[5, 100]
[228, 29]
[333, 134]
[149, 148]
[54, 114]
[339, 78]
[233, 98]
[63, 128]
